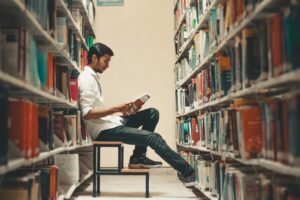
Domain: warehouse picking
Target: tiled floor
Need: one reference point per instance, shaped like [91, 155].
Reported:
[164, 184]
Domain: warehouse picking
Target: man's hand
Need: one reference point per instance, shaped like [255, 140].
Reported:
[125, 108]
[136, 108]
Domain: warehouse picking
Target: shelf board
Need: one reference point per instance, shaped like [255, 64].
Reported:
[290, 78]
[72, 188]
[206, 193]
[199, 68]
[279, 167]
[17, 163]
[206, 106]
[21, 89]
[72, 24]
[24, 18]
[268, 164]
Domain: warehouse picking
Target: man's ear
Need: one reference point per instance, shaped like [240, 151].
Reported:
[94, 58]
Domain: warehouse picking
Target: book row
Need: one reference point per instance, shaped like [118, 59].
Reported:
[35, 128]
[234, 181]
[23, 59]
[46, 180]
[249, 129]
[46, 13]
[265, 49]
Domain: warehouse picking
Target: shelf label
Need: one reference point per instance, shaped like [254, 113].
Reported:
[110, 2]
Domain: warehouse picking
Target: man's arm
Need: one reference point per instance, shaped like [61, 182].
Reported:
[96, 113]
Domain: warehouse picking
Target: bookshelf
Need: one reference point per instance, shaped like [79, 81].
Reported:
[217, 95]
[18, 163]
[46, 44]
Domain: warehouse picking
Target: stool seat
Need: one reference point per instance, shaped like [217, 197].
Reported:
[107, 143]
[119, 170]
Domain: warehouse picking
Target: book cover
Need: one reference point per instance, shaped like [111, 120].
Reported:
[138, 102]
[43, 120]
[73, 87]
[250, 132]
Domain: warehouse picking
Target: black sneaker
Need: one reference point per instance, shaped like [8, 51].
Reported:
[143, 162]
[189, 181]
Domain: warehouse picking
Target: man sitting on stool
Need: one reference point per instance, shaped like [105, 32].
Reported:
[114, 124]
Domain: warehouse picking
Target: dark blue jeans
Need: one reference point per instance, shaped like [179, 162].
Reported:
[130, 133]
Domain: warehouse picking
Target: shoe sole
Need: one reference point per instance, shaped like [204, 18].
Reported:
[190, 184]
[141, 166]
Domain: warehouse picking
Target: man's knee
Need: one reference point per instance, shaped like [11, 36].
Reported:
[154, 114]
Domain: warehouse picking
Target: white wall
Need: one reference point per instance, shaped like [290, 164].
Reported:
[141, 36]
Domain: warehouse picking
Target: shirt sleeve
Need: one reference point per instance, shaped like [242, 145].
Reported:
[87, 94]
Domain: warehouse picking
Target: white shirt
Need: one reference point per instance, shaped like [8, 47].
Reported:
[91, 96]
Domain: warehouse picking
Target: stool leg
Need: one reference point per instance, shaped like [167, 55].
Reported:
[98, 169]
[122, 158]
[94, 171]
[119, 158]
[147, 185]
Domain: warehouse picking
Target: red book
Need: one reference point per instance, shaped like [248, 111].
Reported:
[285, 126]
[18, 125]
[251, 140]
[53, 194]
[35, 131]
[276, 44]
[73, 87]
[50, 73]
[195, 131]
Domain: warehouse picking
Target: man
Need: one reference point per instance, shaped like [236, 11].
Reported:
[112, 124]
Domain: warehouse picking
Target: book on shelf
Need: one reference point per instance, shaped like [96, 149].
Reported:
[241, 45]
[23, 127]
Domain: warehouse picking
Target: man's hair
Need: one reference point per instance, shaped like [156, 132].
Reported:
[99, 49]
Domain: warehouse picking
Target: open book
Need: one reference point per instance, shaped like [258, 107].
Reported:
[138, 102]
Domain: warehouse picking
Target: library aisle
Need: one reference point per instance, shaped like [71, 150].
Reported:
[164, 184]
[223, 74]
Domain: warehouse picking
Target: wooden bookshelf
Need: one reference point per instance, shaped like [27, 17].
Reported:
[190, 107]
[28, 17]
[268, 164]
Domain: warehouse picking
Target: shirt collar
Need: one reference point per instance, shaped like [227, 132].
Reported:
[90, 71]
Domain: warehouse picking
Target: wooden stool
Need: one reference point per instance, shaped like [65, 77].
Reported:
[119, 170]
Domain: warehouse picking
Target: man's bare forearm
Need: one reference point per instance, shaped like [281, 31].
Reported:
[97, 113]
